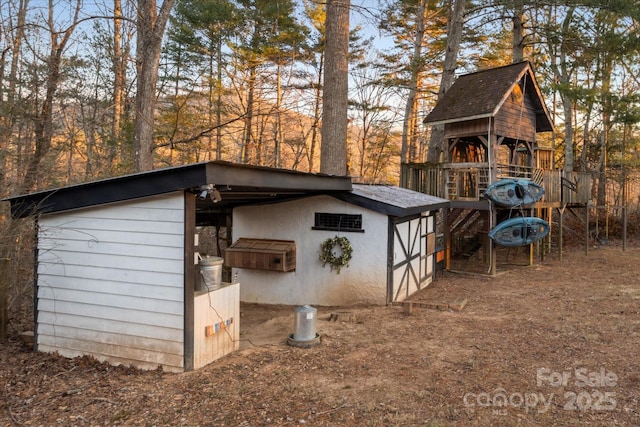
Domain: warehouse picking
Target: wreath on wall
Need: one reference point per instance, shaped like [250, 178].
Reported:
[329, 256]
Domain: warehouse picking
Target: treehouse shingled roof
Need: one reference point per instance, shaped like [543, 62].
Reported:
[482, 94]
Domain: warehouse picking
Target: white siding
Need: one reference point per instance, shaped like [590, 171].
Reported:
[110, 282]
[363, 281]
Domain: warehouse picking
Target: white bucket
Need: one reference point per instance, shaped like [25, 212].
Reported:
[210, 273]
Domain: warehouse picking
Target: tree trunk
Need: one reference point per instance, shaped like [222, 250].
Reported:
[316, 113]
[278, 137]
[518, 33]
[408, 151]
[43, 126]
[335, 97]
[119, 83]
[567, 105]
[247, 145]
[605, 101]
[219, 100]
[454, 38]
[150, 25]
[563, 77]
[7, 106]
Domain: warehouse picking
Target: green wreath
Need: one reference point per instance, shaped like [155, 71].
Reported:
[328, 256]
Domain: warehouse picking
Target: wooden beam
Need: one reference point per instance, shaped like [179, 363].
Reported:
[586, 228]
[561, 230]
[447, 239]
[189, 278]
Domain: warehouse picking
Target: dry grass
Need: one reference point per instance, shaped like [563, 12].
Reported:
[432, 368]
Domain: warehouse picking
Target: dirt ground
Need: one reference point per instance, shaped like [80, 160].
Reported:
[552, 344]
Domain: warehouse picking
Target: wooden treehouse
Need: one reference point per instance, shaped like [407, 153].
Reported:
[491, 120]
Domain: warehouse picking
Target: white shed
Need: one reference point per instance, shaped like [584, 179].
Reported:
[117, 260]
[391, 230]
[117, 271]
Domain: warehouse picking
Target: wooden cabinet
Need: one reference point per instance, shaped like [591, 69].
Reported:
[263, 254]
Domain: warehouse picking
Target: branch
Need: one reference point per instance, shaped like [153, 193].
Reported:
[197, 136]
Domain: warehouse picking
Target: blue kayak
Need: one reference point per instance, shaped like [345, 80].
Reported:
[514, 192]
[519, 231]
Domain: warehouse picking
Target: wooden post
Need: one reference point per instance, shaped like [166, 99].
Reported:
[4, 298]
[624, 228]
[586, 227]
[493, 267]
[550, 220]
[560, 229]
[447, 239]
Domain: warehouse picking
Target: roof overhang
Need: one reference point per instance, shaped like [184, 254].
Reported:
[235, 184]
[391, 200]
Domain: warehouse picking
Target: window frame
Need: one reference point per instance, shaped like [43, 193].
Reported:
[322, 222]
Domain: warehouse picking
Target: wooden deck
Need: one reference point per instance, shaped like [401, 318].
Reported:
[468, 181]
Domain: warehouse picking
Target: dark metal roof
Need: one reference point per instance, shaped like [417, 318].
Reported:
[391, 200]
[482, 94]
[237, 185]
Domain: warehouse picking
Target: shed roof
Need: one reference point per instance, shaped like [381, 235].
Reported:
[482, 94]
[237, 184]
[391, 200]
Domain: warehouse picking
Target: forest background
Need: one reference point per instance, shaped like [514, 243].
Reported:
[242, 81]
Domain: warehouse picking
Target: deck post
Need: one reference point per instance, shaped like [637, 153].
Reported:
[447, 239]
[560, 230]
[586, 230]
[492, 246]
[624, 228]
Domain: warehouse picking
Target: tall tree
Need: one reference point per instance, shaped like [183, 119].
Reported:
[43, 122]
[203, 28]
[418, 28]
[286, 46]
[119, 64]
[14, 35]
[317, 16]
[271, 33]
[455, 24]
[410, 122]
[335, 98]
[372, 126]
[518, 33]
[150, 24]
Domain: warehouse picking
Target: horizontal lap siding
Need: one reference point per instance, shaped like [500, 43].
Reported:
[467, 128]
[110, 282]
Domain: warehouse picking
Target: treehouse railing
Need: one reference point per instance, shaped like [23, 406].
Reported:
[468, 181]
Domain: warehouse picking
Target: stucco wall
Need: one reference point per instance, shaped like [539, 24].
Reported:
[364, 281]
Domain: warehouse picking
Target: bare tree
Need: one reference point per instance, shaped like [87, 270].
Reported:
[409, 134]
[454, 37]
[7, 104]
[119, 62]
[151, 23]
[518, 33]
[333, 153]
[43, 126]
